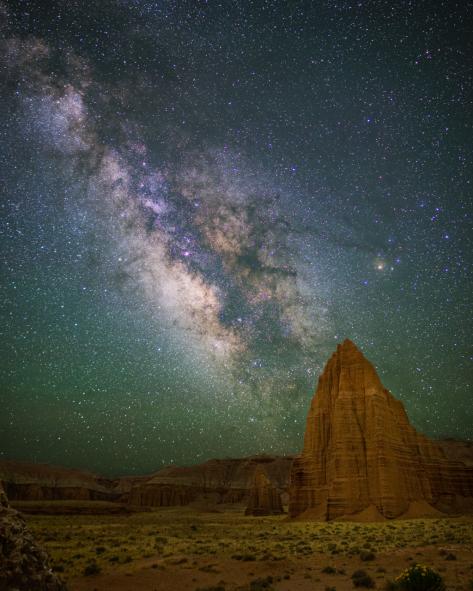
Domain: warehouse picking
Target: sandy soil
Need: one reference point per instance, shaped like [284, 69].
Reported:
[181, 549]
[288, 575]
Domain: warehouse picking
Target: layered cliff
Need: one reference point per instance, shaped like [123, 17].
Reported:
[219, 481]
[215, 481]
[41, 482]
[361, 454]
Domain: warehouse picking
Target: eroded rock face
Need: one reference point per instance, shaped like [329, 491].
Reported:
[224, 480]
[460, 451]
[360, 451]
[24, 481]
[265, 498]
[24, 566]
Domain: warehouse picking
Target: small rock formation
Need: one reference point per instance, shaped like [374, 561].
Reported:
[24, 566]
[264, 498]
[362, 457]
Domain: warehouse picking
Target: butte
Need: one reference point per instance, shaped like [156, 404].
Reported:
[362, 459]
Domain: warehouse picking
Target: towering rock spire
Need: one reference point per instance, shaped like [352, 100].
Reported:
[361, 453]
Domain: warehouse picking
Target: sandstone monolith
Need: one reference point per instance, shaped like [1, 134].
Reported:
[361, 455]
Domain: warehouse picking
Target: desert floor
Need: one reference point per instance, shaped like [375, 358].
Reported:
[186, 549]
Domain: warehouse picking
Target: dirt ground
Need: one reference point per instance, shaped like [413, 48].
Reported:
[182, 549]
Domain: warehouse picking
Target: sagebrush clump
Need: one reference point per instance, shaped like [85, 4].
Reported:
[419, 578]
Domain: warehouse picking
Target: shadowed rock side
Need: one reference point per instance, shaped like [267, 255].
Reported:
[460, 451]
[264, 498]
[215, 481]
[362, 456]
[24, 566]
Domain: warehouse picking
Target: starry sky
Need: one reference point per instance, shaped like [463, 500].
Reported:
[200, 199]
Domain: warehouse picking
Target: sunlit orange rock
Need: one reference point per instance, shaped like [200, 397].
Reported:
[361, 452]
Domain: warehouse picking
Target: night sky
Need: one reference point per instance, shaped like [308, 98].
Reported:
[199, 200]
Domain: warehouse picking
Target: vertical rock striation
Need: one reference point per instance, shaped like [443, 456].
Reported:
[361, 454]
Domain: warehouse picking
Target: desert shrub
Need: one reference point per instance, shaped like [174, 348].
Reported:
[367, 555]
[260, 584]
[100, 549]
[361, 578]
[450, 556]
[419, 578]
[329, 570]
[209, 568]
[244, 557]
[330, 589]
[92, 569]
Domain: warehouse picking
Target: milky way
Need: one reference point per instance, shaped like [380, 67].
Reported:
[200, 201]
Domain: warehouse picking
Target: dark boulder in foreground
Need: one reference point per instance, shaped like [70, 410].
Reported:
[24, 566]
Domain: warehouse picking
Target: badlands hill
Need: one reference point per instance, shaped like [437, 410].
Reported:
[216, 481]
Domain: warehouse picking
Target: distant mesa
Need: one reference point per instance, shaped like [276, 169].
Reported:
[265, 498]
[362, 459]
[214, 483]
[25, 481]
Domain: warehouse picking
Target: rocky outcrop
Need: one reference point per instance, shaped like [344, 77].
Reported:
[24, 566]
[362, 456]
[265, 498]
[219, 481]
[41, 482]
